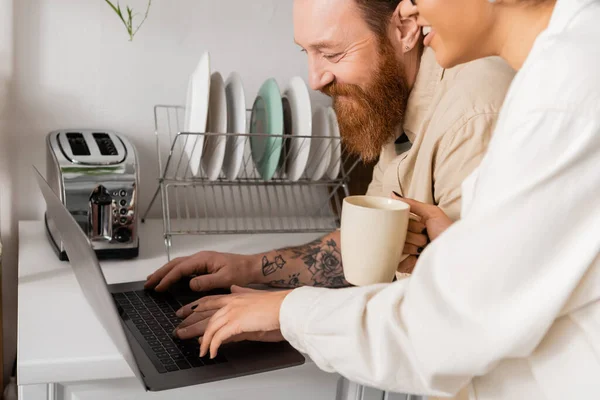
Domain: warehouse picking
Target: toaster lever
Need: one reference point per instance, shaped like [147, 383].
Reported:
[100, 215]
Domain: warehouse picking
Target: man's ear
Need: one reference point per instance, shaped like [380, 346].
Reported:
[406, 30]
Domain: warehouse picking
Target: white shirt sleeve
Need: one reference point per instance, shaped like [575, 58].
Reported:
[489, 288]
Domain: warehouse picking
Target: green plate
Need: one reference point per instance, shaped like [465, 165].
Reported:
[267, 118]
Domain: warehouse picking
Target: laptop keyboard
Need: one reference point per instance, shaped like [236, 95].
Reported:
[153, 314]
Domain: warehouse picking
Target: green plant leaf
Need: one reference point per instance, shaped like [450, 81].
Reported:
[130, 17]
[117, 11]
[112, 5]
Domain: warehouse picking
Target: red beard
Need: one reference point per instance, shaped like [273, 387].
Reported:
[368, 119]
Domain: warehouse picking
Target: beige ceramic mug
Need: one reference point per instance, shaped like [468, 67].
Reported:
[373, 231]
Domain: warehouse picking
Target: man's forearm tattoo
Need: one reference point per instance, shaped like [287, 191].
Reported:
[270, 267]
[293, 281]
[324, 262]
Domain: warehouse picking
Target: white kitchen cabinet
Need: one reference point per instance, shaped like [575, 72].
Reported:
[123, 389]
[306, 383]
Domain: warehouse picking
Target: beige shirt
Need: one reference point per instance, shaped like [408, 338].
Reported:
[450, 116]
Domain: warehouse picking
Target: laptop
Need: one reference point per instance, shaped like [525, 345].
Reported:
[140, 322]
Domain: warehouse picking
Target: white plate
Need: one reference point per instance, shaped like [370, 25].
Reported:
[212, 161]
[298, 122]
[320, 149]
[196, 112]
[336, 146]
[236, 123]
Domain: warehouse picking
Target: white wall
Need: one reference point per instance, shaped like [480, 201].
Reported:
[73, 66]
[7, 221]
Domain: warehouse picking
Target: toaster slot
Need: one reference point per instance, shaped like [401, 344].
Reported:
[78, 145]
[105, 144]
[91, 147]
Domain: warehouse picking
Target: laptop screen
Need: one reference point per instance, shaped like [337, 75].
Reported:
[87, 270]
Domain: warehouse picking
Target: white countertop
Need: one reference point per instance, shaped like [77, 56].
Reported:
[59, 337]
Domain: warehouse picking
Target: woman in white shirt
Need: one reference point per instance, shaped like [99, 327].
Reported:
[505, 304]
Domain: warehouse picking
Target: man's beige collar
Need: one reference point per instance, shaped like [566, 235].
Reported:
[429, 76]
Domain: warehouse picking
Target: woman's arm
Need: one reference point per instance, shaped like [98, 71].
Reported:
[487, 289]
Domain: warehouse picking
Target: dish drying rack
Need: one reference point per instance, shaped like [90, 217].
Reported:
[195, 205]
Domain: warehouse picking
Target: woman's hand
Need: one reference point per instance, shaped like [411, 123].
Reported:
[433, 221]
[241, 314]
[245, 314]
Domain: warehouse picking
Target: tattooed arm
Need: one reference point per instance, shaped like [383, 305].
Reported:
[318, 263]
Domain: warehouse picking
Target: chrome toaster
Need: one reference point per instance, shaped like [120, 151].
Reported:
[95, 174]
